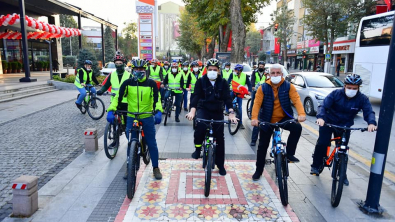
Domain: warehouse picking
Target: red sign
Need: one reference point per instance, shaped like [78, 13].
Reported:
[388, 2]
[276, 46]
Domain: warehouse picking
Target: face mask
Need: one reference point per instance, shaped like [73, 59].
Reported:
[275, 79]
[138, 75]
[212, 75]
[152, 65]
[261, 69]
[174, 69]
[119, 67]
[166, 67]
[185, 69]
[88, 69]
[195, 69]
[350, 93]
[227, 69]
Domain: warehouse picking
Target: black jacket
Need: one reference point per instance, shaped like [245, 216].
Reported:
[88, 81]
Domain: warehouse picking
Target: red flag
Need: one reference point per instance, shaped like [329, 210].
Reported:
[388, 2]
[276, 46]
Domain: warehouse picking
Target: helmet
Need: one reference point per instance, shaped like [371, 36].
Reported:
[194, 63]
[227, 63]
[174, 64]
[118, 57]
[353, 79]
[261, 63]
[154, 61]
[239, 67]
[200, 63]
[88, 62]
[166, 63]
[185, 64]
[138, 63]
[212, 62]
[174, 60]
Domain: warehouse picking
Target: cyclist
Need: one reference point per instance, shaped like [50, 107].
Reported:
[155, 72]
[200, 65]
[240, 77]
[185, 74]
[142, 96]
[340, 108]
[211, 93]
[166, 68]
[175, 81]
[273, 104]
[84, 78]
[227, 71]
[192, 78]
[257, 78]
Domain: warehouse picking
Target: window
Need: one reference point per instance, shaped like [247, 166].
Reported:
[376, 31]
[319, 81]
[298, 80]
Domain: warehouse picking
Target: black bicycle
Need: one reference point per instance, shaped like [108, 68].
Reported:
[279, 153]
[92, 104]
[112, 132]
[209, 148]
[248, 109]
[233, 128]
[136, 149]
[168, 106]
[338, 159]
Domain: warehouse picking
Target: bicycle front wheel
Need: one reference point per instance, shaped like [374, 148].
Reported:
[132, 169]
[95, 108]
[281, 168]
[145, 153]
[248, 108]
[111, 140]
[338, 175]
[167, 114]
[233, 128]
[208, 171]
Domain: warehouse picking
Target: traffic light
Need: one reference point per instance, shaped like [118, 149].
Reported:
[304, 57]
[304, 52]
[275, 27]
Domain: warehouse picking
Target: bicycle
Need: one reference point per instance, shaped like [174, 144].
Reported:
[209, 145]
[249, 111]
[279, 153]
[90, 104]
[338, 159]
[168, 106]
[112, 133]
[136, 149]
[233, 128]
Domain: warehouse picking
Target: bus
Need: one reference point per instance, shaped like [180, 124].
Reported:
[371, 52]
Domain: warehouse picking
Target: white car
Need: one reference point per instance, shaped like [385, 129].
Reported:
[247, 70]
[108, 69]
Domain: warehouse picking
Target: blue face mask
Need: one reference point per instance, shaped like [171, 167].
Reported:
[138, 75]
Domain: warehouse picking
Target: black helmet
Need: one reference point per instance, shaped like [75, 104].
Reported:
[212, 62]
[227, 63]
[88, 62]
[261, 63]
[194, 63]
[353, 79]
[138, 63]
[185, 64]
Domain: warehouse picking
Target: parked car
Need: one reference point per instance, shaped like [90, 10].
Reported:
[313, 87]
[247, 69]
[269, 65]
[108, 69]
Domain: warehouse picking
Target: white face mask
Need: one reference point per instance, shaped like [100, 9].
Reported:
[227, 69]
[350, 93]
[166, 67]
[185, 68]
[275, 79]
[212, 75]
[195, 69]
[152, 65]
[88, 69]
[174, 69]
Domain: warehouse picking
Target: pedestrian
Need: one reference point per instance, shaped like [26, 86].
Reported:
[288, 65]
[338, 67]
[309, 66]
[300, 65]
[55, 64]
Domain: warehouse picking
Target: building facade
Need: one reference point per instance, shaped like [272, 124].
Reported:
[168, 31]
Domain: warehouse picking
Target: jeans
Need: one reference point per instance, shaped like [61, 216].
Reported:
[162, 93]
[255, 134]
[185, 97]
[178, 98]
[324, 140]
[149, 135]
[83, 94]
[264, 140]
[240, 104]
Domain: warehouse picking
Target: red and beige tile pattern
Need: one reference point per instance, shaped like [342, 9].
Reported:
[180, 195]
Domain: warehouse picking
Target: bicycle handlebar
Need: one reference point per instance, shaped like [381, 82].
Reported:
[212, 121]
[133, 113]
[346, 128]
[279, 124]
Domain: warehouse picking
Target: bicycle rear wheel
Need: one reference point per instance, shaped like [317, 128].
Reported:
[233, 128]
[338, 175]
[132, 161]
[208, 171]
[95, 108]
[145, 153]
[281, 167]
[248, 108]
[83, 109]
[111, 139]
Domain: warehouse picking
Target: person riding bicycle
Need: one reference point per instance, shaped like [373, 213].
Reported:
[257, 78]
[340, 108]
[175, 80]
[84, 78]
[142, 96]
[240, 77]
[166, 68]
[211, 93]
[227, 71]
[185, 74]
[192, 78]
[273, 104]
[154, 71]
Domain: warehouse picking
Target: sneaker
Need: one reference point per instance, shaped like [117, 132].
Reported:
[177, 119]
[222, 171]
[79, 106]
[125, 176]
[185, 109]
[256, 175]
[346, 182]
[292, 159]
[242, 126]
[157, 173]
[196, 154]
[253, 143]
[314, 171]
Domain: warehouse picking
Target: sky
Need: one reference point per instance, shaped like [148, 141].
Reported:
[125, 11]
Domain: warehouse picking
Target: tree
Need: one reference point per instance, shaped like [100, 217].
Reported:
[128, 42]
[253, 40]
[284, 18]
[109, 45]
[68, 22]
[238, 32]
[262, 56]
[86, 54]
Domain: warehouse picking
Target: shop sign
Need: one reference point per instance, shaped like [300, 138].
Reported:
[314, 50]
[313, 43]
[291, 51]
[341, 48]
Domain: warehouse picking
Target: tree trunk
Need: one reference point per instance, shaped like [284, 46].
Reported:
[221, 35]
[211, 48]
[238, 32]
[225, 40]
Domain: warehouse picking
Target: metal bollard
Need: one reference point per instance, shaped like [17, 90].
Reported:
[91, 144]
[25, 196]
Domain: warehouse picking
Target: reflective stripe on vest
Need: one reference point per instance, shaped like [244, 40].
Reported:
[85, 78]
[193, 82]
[241, 80]
[154, 75]
[174, 82]
[115, 84]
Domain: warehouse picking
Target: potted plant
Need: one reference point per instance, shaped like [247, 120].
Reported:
[5, 66]
[19, 67]
[46, 66]
[39, 66]
[14, 66]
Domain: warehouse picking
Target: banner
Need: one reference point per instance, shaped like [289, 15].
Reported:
[277, 46]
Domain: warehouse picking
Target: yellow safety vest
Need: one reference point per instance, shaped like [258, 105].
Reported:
[226, 74]
[85, 78]
[175, 82]
[115, 84]
[154, 74]
[241, 80]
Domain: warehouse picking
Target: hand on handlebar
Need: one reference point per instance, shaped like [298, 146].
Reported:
[232, 118]
[301, 118]
[320, 122]
[255, 122]
[191, 114]
[83, 84]
[372, 128]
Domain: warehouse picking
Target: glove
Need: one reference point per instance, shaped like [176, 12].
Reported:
[110, 117]
[158, 117]
[99, 92]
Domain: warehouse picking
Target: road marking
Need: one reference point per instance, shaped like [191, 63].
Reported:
[354, 155]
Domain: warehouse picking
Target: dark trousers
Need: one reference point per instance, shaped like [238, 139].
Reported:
[177, 103]
[185, 98]
[266, 132]
[190, 99]
[338, 72]
[162, 94]
[218, 131]
[324, 140]
[255, 134]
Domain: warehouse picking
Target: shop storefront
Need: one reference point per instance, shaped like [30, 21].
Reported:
[343, 54]
[291, 54]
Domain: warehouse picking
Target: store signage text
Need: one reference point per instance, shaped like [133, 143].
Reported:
[341, 48]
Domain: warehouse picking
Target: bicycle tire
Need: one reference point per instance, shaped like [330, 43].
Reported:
[282, 187]
[232, 130]
[83, 109]
[248, 108]
[146, 154]
[170, 107]
[338, 175]
[166, 115]
[204, 157]
[98, 105]
[208, 171]
[132, 170]
[109, 132]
